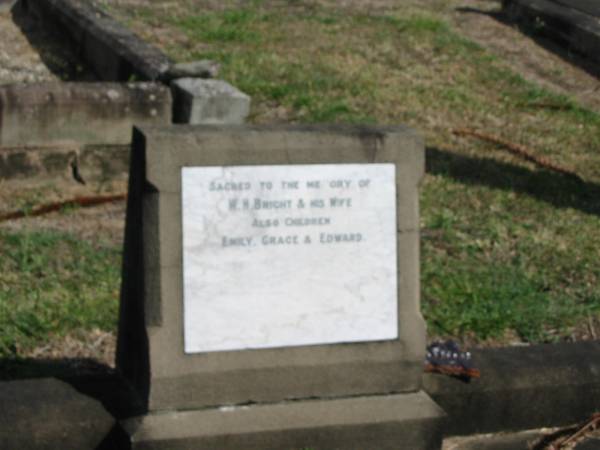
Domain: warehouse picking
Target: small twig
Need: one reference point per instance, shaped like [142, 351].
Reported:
[517, 149]
[590, 425]
[84, 202]
[556, 106]
[546, 442]
[591, 327]
[75, 170]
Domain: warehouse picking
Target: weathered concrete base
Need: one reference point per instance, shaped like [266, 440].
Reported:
[410, 421]
[86, 113]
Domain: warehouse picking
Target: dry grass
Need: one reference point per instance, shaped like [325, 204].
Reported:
[510, 251]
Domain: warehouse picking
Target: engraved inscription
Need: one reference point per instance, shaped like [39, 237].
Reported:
[288, 255]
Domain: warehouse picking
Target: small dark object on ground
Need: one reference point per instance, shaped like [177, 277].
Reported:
[519, 150]
[448, 359]
[82, 202]
[75, 172]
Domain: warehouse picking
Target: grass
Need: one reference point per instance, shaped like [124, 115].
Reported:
[506, 247]
[52, 284]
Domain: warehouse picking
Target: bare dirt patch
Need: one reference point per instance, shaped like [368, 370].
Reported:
[94, 345]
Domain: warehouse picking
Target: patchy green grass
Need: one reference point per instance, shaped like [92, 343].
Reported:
[52, 284]
[507, 247]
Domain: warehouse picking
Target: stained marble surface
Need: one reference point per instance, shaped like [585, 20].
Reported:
[277, 256]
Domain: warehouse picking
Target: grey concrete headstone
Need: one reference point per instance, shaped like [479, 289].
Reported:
[200, 101]
[176, 213]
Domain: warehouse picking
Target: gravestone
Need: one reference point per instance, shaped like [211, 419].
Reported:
[270, 294]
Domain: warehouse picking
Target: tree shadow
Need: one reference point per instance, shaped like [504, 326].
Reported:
[545, 37]
[555, 189]
[55, 49]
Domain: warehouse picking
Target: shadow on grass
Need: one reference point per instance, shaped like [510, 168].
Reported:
[556, 189]
[91, 379]
[546, 37]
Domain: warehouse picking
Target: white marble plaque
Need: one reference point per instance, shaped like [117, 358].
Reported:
[278, 256]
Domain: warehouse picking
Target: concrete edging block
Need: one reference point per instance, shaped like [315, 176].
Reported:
[522, 388]
[205, 101]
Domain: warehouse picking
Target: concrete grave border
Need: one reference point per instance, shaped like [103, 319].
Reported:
[34, 134]
[522, 388]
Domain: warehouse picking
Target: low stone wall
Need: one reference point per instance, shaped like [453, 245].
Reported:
[94, 162]
[44, 127]
[520, 388]
[85, 113]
